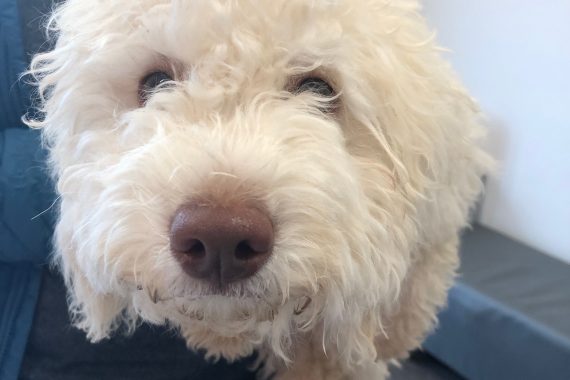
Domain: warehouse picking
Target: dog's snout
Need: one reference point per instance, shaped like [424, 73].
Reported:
[221, 244]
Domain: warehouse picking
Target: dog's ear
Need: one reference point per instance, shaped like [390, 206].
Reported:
[427, 130]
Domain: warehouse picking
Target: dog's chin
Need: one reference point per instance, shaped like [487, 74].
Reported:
[233, 327]
[225, 326]
[216, 345]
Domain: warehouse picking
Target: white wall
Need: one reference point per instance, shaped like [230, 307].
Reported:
[514, 57]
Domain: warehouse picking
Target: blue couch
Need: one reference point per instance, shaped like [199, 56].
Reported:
[25, 193]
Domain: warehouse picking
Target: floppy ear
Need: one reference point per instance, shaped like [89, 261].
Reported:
[444, 168]
[427, 128]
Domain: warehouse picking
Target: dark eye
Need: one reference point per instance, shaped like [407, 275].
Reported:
[316, 85]
[150, 82]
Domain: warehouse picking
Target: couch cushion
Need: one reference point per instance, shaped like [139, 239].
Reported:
[509, 315]
[25, 194]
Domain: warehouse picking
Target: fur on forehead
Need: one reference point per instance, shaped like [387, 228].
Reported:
[240, 33]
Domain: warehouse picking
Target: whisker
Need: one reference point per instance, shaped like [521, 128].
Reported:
[47, 209]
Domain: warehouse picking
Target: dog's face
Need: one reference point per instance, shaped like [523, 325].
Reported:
[246, 170]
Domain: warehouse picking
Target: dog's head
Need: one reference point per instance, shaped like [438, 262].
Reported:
[245, 170]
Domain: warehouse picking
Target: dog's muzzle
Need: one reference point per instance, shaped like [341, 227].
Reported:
[221, 244]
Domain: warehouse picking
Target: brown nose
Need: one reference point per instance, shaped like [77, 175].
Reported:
[221, 244]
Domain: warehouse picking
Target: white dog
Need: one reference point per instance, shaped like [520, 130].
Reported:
[285, 176]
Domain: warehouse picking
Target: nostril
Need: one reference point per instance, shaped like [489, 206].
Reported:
[196, 249]
[221, 244]
[244, 251]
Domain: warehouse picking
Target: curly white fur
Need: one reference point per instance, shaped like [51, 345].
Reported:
[367, 201]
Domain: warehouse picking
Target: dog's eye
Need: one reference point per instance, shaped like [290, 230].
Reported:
[150, 83]
[316, 85]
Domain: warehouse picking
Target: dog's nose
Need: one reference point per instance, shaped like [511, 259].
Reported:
[221, 244]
